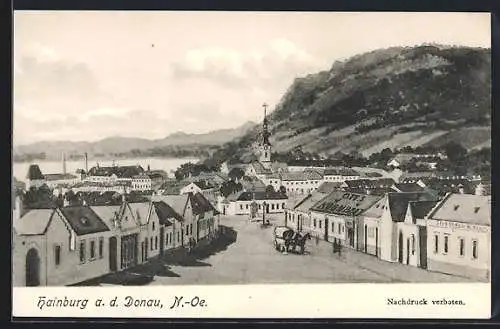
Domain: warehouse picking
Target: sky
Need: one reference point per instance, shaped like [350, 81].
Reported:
[85, 76]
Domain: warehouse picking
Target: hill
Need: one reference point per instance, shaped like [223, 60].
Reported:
[176, 144]
[417, 96]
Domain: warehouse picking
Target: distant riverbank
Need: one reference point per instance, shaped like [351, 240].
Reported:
[20, 169]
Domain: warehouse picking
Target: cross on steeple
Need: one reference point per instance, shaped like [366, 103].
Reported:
[265, 109]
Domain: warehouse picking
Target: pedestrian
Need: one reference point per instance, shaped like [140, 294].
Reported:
[317, 239]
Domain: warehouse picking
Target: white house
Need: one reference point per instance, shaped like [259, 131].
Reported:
[301, 182]
[141, 182]
[265, 202]
[54, 247]
[340, 174]
[459, 236]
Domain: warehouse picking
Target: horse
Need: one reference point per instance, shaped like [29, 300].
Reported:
[299, 240]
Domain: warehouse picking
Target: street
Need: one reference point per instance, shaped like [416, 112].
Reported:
[252, 259]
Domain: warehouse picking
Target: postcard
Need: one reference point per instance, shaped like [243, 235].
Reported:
[177, 164]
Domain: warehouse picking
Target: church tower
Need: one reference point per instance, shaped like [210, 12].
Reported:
[265, 145]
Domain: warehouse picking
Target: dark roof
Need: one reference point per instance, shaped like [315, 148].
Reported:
[258, 195]
[84, 220]
[34, 172]
[165, 213]
[345, 203]
[341, 172]
[51, 177]
[200, 204]
[119, 171]
[408, 187]
[236, 173]
[398, 203]
[419, 209]
[370, 183]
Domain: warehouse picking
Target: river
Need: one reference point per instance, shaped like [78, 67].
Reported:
[20, 169]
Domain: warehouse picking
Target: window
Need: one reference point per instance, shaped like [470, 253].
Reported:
[436, 243]
[241, 207]
[82, 251]
[272, 206]
[333, 227]
[246, 206]
[462, 246]
[178, 237]
[338, 226]
[57, 254]
[92, 249]
[153, 226]
[156, 242]
[445, 244]
[474, 249]
[314, 223]
[320, 223]
[151, 243]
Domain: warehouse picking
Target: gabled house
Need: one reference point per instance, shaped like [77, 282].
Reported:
[60, 246]
[459, 236]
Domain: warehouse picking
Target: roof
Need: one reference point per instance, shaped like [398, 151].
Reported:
[140, 211]
[83, 220]
[420, 209]
[345, 203]
[464, 208]
[408, 187]
[34, 172]
[51, 177]
[176, 202]
[34, 222]
[171, 187]
[119, 171]
[398, 203]
[204, 185]
[200, 204]
[248, 196]
[341, 172]
[155, 175]
[370, 183]
[301, 176]
[308, 202]
[414, 176]
[107, 213]
[166, 213]
[259, 168]
[328, 187]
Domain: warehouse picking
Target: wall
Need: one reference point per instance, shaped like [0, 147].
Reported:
[70, 270]
[410, 235]
[243, 207]
[20, 247]
[452, 262]
[372, 227]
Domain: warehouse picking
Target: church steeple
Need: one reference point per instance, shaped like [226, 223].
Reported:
[265, 145]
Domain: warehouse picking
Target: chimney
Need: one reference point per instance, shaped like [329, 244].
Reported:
[64, 163]
[86, 163]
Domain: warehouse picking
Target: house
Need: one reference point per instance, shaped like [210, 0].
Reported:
[257, 169]
[60, 246]
[113, 174]
[336, 217]
[252, 184]
[141, 182]
[274, 180]
[301, 182]
[273, 202]
[208, 190]
[459, 236]
[171, 187]
[207, 218]
[403, 159]
[169, 220]
[451, 185]
[55, 180]
[380, 224]
[340, 174]
[298, 214]
[412, 239]
[126, 234]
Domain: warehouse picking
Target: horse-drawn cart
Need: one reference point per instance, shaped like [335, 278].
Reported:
[286, 239]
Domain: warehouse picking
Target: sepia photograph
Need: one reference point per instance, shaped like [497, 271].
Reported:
[177, 148]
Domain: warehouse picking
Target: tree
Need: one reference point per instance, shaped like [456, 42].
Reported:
[455, 151]
[269, 189]
[282, 189]
[236, 174]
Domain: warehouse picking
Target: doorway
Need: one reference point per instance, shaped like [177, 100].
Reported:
[326, 229]
[376, 241]
[407, 251]
[422, 246]
[112, 254]
[32, 268]
[350, 236]
[400, 247]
